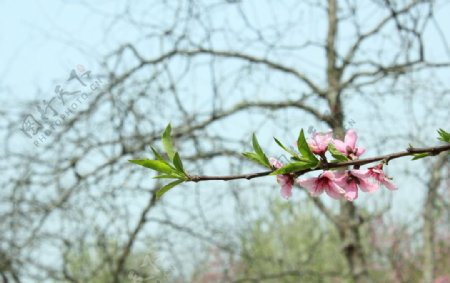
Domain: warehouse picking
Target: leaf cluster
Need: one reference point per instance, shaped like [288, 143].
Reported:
[169, 168]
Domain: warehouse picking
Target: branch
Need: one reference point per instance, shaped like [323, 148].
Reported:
[253, 59]
[324, 166]
[131, 240]
[348, 58]
[305, 160]
[429, 221]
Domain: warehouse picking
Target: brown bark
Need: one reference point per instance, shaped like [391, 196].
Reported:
[348, 225]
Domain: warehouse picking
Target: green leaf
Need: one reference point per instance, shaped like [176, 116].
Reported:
[303, 147]
[294, 167]
[302, 159]
[167, 142]
[157, 155]
[339, 156]
[444, 136]
[168, 176]
[252, 156]
[262, 157]
[167, 187]
[285, 148]
[256, 158]
[177, 162]
[420, 155]
[157, 165]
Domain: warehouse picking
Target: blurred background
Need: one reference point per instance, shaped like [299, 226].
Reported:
[87, 85]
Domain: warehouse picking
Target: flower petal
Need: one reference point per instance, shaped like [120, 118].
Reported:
[285, 179]
[328, 174]
[388, 184]
[276, 163]
[360, 150]
[360, 173]
[340, 145]
[323, 138]
[350, 138]
[286, 190]
[314, 148]
[351, 191]
[317, 190]
[312, 185]
[367, 186]
[318, 143]
[307, 183]
[334, 191]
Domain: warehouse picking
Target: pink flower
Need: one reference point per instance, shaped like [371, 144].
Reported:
[286, 181]
[378, 175]
[348, 146]
[319, 142]
[353, 179]
[325, 182]
[442, 279]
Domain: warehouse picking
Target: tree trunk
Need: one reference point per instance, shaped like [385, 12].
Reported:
[349, 220]
[429, 219]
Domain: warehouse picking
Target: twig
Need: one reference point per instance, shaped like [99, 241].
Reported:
[384, 158]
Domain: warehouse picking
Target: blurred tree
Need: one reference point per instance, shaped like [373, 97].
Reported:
[95, 264]
[292, 244]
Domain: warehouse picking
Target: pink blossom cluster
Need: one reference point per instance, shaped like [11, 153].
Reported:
[336, 184]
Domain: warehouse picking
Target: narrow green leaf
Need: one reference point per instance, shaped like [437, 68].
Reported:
[252, 156]
[444, 136]
[302, 159]
[161, 158]
[294, 167]
[340, 157]
[285, 148]
[177, 162]
[303, 147]
[157, 155]
[167, 142]
[168, 176]
[256, 158]
[167, 187]
[157, 165]
[420, 155]
[260, 152]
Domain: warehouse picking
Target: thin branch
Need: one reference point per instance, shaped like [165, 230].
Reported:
[238, 55]
[131, 241]
[324, 166]
[374, 31]
[283, 105]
